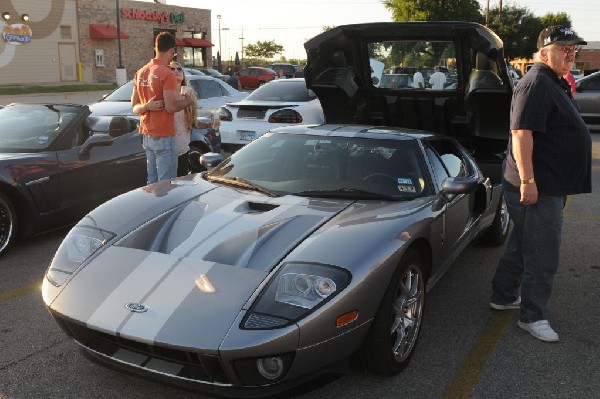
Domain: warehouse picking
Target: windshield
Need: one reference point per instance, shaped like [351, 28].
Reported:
[123, 93]
[34, 127]
[334, 167]
[281, 90]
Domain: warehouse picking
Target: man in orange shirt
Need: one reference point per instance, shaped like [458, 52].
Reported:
[156, 98]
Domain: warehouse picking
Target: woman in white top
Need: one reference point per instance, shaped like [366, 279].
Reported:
[185, 121]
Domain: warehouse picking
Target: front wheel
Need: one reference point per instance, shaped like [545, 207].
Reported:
[395, 329]
[8, 222]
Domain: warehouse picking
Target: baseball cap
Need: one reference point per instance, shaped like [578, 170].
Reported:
[558, 34]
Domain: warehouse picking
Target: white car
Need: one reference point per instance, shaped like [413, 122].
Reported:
[278, 103]
[212, 93]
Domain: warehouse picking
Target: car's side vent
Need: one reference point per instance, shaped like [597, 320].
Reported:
[261, 206]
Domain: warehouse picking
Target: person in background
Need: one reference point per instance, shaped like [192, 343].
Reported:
[185, 120]
[300, 72]
[418, 80]
[571, 79]
[156, 98]
[233, 80]
[437, 79]
[280, 74]
[548, 157]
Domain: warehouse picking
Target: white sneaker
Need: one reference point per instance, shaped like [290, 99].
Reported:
[506, 306]
[540, 329]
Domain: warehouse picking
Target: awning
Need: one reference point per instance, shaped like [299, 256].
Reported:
[193, 42]
[106, 32]
[180, 42]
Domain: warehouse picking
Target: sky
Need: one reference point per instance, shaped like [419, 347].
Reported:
[290, 23]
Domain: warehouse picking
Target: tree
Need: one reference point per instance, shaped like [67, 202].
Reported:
[434, 10]
[560, 18]
[263, 49]
[518, 28]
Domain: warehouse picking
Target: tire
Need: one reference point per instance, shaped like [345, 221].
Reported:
[194, 158]
[391, 340]
[8, 222]
[497, 233]
[261, 83]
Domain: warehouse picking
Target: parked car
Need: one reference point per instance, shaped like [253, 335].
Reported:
[193, 72]
[588, 99]
[212, 93]
[309, 245]
[253, 77]
[57, 163]
[214, 73]
[279, 103]
[289, 70]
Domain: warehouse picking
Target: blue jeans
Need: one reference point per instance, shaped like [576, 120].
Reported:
[161, 157]
[531, 256]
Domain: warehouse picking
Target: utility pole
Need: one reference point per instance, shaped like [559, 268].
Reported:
[242, 44]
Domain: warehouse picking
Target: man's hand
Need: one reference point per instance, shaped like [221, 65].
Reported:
[529, 194]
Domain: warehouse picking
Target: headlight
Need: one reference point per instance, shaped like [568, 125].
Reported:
[296, 290]
[81, 243]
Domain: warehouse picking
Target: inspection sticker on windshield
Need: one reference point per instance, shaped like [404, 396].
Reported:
[43, 140]
[405, 185]
[247, 135]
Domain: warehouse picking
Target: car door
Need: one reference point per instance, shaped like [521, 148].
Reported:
[90, 174]
[458, 217]
[246, 78]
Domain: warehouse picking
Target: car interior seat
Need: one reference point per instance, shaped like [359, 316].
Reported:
[321, 164]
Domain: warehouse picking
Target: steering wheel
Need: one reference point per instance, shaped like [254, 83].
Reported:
[379, 174]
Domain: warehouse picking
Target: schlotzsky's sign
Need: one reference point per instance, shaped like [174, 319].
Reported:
[129, 13]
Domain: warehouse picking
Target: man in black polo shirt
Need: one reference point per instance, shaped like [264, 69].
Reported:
[549, 157]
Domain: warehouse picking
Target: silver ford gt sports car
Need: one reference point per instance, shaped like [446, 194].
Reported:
[308, 246]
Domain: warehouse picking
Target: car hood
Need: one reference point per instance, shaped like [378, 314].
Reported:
[194, 265]
[111, 108]
[199, 258]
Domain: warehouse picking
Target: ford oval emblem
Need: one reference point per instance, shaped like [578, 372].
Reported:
[136, 307]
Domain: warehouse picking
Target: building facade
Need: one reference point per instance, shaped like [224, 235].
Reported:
[62, 41]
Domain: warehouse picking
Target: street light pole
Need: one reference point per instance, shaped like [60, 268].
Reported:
[119, 35]
[220, 51]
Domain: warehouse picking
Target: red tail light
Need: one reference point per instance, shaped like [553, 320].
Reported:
[285, 116]
[225, 115]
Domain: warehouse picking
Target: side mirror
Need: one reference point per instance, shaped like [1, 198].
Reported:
[210, 160]
[459, 185]
[95, 140]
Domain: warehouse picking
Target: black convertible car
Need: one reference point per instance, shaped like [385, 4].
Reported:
[57, 163]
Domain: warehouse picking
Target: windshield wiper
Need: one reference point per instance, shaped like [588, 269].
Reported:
[345, 192]
[241, 182]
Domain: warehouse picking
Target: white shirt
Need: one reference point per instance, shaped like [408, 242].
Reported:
[182, 133]
[437, 81]
[418, 78]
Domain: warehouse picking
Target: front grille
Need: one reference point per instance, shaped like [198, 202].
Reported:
[177, 363]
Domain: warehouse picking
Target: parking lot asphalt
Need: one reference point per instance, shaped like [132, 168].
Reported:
[84, 97]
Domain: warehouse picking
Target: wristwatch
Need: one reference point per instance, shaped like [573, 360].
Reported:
[528, 181]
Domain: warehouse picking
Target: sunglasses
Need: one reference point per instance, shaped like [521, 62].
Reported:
[569, 49]
[176, 69]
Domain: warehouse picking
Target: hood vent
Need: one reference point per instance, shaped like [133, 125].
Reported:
[261, 206]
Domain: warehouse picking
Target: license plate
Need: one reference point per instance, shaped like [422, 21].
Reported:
[246, 135]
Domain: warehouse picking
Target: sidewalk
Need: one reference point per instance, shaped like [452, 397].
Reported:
[83, 97]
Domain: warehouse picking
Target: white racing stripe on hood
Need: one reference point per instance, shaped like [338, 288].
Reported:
[134, 288]
[165, 299]
[226, 222]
